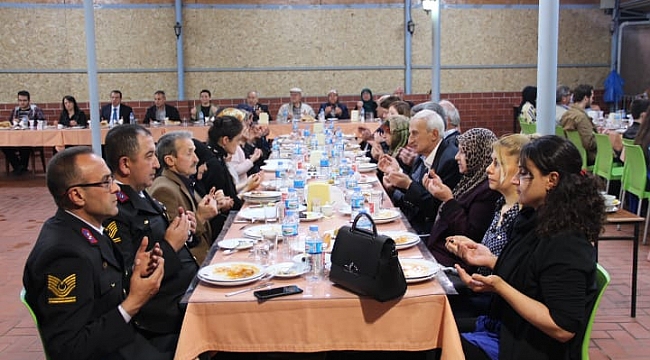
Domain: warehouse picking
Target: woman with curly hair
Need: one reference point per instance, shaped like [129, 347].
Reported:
[468, 209]
[544, 280]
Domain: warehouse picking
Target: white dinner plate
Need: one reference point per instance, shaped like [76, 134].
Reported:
[239, 243]
[365, 179]
[415, 269]
[230, 273]
[311, 216]
[417, 280]
[257, 230]
[386, 216]
[287, 270]
[270, 165]
[403, 239]
[611, 209]
[366, 167]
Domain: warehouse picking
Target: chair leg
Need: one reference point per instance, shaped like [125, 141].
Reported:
[607, 187]
[43, 159]
[645, 228]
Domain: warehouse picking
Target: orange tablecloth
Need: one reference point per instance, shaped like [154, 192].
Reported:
[324, 317]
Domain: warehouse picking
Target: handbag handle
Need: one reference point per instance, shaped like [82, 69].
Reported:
[359, 215]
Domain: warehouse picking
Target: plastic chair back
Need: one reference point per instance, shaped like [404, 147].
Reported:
[528, 128]
[574, 137]
[635, 172]
[628, 141]
[602, 280]
[604, 165]
[559, 131]
[23, 294]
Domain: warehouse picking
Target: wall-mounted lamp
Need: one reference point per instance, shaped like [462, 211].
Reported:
[428, 5]
[410, 26]
[177, 29]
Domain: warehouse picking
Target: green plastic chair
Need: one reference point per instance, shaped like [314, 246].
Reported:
[604, 165]
[528, 128]
[602, 280]
[635, 178]
[23, 293]
[559, 131]
[628, 141]
[574, 137]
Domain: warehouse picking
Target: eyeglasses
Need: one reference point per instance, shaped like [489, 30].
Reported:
[106, 184]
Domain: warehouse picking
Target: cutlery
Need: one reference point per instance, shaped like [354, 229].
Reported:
[261, 286]
[253, 220]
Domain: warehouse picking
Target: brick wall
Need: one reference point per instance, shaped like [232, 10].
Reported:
[492, 110]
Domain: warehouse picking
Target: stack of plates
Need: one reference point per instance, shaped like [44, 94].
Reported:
[258, 231]
[239, 244]
[403, 239]
[416, 270]
[366, 167]
[231, 273]
[262, 196]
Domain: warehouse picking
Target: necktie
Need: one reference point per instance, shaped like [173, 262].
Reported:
[419, 170]
[115, 114]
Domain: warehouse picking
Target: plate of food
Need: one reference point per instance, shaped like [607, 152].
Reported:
[230, 273]
[260, 196]
[365, 179]
[416, 270]
[403, 239]
[258, 231]
[239, 244]
[386, 216]
[287, 269]
[366, 167]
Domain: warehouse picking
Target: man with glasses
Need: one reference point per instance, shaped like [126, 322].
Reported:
[75, 280]
[18, 157]
[131, 155]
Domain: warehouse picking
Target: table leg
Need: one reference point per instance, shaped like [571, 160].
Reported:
[635, 260]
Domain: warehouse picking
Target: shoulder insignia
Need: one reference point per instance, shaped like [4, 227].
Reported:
[61, 289]
[122, 197]
[111, 232]
[89, 236]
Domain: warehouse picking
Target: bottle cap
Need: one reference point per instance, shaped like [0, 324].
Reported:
[313, 228]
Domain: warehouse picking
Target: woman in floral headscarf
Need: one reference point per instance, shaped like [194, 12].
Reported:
[468, 209]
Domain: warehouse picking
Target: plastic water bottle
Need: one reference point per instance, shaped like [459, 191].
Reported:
[279, 175]
[321, 115]
[356, 202]
[324, 166]
[131, 118]
[275, 151]
[313, 142]
[285, 114]
[362, 115]
[290, 227]
[298, 158]
[364, 222]
[201, 118]
[299, 185]
[292, 200]
[314, 247]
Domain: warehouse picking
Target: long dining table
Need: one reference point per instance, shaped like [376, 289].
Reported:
[52, 136]
[324, 317]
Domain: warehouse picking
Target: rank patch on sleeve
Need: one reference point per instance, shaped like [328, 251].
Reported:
[61, 289]
[111, 231]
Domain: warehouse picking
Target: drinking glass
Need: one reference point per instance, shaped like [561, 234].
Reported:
[270, 213]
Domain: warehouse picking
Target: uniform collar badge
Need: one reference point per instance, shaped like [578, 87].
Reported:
[122, 197]
[89, 236]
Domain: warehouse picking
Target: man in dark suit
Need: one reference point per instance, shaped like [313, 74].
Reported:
[161, 110]
[75, 280]
[253, 106]
[406, 190]
[116, 111]
[131, 155]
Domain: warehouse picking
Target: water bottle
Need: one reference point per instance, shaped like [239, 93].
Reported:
[292, 200]
[275, 151]
[313, 142]
[324, 166]
[362, 115]
[314, 247]
[285, 114]
[364, 222]
[201, 118]
[298, 158]
[131, 118]
[351, 181]
[290, 228]
[321, 115]
[356, 202]
[299, 185]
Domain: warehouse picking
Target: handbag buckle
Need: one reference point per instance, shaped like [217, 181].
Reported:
[351, 268]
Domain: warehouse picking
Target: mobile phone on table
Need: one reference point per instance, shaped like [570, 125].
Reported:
[275, 292]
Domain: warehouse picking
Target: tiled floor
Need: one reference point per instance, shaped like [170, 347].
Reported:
[25, 204]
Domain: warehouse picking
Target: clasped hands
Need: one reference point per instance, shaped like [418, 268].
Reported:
[475, 254]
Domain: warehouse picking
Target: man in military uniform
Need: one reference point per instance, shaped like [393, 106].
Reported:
[74, 277]
[130, 153]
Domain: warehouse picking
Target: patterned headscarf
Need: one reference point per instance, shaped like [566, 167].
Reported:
[477, 145]
[398, 126]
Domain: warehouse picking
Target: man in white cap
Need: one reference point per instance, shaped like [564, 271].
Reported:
[333, 108]
[295, 108]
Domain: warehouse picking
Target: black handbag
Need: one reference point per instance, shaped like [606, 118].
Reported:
[366, 263]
